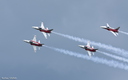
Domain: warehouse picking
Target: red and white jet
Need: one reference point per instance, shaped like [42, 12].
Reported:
[44, 30]
[114, 31]
[89, 49]
[34, 43]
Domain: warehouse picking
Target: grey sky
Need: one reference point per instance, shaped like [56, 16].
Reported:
[81, 18]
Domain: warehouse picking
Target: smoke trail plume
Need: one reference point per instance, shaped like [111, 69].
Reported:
[118, 51]
[114, 56]
[111, 63]
[123, 32]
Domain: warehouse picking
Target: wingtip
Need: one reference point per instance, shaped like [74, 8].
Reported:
[90, 56]
[34, 51]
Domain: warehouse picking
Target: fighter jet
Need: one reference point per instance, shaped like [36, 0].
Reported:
[114, 31]
[34, 43]
[89, 49]
[44, 30]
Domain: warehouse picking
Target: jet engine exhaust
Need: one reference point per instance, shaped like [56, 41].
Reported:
[110, 48]
[110, 63]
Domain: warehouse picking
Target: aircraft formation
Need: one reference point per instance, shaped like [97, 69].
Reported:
[46, 32]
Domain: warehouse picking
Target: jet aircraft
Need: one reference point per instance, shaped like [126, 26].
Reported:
[44, 30]
[34, 43]
[114, 31]
[88, 48]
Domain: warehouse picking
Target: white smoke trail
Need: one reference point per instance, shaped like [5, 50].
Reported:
[123, 32]
[118, 51]
[114, 56]
[111, 63]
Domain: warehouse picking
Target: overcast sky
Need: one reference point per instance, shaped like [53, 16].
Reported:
[81, 18]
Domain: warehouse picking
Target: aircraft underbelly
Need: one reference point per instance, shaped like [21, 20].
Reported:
[37, 44]
[113, 30]
[46, 31]
[91, 50]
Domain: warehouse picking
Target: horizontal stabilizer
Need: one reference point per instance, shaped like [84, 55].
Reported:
[114, 33]
[39, 41]
[48, 34]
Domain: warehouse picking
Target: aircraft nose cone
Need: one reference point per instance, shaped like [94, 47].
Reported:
[34, 27]
[81, 46]
[26, 41]
[103, 26]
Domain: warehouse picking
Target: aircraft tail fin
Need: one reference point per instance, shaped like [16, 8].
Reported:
[118, 28]
[96, 49]
[50, 29]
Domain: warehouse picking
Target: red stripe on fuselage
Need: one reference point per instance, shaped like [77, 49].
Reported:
[35, 43]
[114, 30]
[90, 49]
[46, 31]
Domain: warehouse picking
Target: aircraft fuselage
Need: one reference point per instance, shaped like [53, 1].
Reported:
[90, 49]
[46, 31]
[43, 30]
[114, 30]
[35, 43]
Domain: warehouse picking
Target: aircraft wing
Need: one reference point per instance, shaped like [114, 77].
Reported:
[34, 47]
[114, 33]
[109, 26]
[34, 39]
[88, 44]
[45, 35]
[89, 53]
[42, 25]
